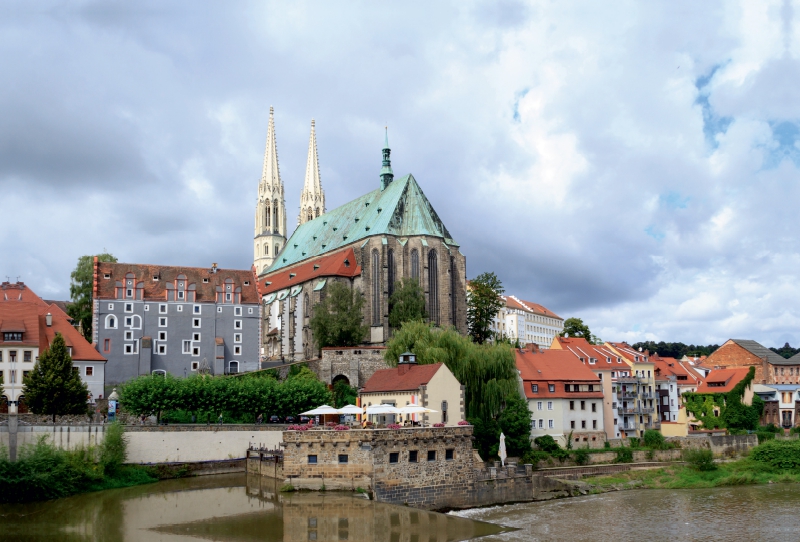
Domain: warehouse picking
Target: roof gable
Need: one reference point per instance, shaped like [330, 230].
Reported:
[401, 210]
[762, 352]
[385, 380]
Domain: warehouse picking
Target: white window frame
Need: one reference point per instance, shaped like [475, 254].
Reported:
[195, 365]
[163, 321]
[197, 323]
[250, 310]
[162, 308]
[187, 347]
[131, 348]
[195, 351]
[541, 423]
[219, 309]
[196, 336]
[129, 293]
[227, 297]
[539, 405]
[237, 337]
[111, 306]
[162, 335]
[180, 308]
[237, 350]
[160, 372]
[116, 321]
[197, 309]
[181, 294]
[87, 369]
[551, 424]
[162, 349]
[129, 321]
[129, 307]
[230, 363]
[237, 324]
[549, 405]
[146, 308]
[237, 311]
[129, 336]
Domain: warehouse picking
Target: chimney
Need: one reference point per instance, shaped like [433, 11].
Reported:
[48, 319]
[214, 267]
[406, 361]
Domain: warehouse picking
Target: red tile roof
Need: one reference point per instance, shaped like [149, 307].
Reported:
[628, 352]
[391, 379]
[21, 307]
[557, 367]
[155, 290]
[337, 264]
[514, 302]
[582, 349]
[723, 380]
[672, 367]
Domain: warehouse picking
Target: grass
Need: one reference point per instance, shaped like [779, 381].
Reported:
[734, 473]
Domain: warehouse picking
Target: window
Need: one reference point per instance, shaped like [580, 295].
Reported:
[196, 309]
[431, 455]
[180, 295]
[237, 311]
[195, 336]
[591, 386]
[128, 293]
[219, 309]
[162, 349]
[572, 424]
[26, 355]
[129, 335]
[237, 324]
[583, 405]
[146, 308]
[551, 388]
[162, 322]
[187, 347]
[539, 405]
[111, 306]
[594, 407]
[162, 335]
[160, 372]
[390, 272]
[549, 405]
[534, 388]
[111, 322]
[572, 405]
[594, 424]
[195, 350]
[89, 371]
[13, 377]
[162, 309]
[128, 307]
[129, 322]
[583, 424]
[131, 348]
[444, 411]
[106, 346]
[250, 309]
[237, 350]
[196, 322]
[195, 365]
[412, 456]
[433, 287]
[237, 337]
[342, 459]
[394, 457]
[312, 460]
[541, 423]
[449, 454]
[415, 264]
[180, 308]
[550, 424]
[233, 367]
[376, 288]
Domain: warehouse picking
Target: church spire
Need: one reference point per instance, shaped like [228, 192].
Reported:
[270, 218]
[312, 199]
[387, 176]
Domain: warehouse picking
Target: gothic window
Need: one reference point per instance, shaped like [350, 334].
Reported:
[317, 211]
[275, 216]
[452, 290]
[433, 287]
[277, 250]
[266, 216]
[391, 274]
[309, 216]
[266, 250]
[415, 264]
[376, 288]
[305, 305]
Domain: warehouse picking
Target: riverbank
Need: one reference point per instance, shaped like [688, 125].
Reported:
[683, 476]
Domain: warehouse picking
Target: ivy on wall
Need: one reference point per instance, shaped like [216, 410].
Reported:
[733, 413]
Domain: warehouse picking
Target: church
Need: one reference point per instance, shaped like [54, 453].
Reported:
[368, 244]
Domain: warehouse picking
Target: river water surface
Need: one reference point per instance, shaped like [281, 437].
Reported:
[238, 508]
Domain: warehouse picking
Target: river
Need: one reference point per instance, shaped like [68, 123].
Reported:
[240, 508]
[764, 513]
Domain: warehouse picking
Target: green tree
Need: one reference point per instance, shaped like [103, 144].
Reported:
[344, 394]
[407, 303]
[515, 422]
[153, 395]
[53, 387]
[301, 371]
[338, 320]
[80, 292]
[574, 327]
[483, 304]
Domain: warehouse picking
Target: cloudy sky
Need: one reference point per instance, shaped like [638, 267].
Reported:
[631, 163]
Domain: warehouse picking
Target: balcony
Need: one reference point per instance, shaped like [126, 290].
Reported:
[647, 395]
[647, 410]
[627, 394]
[628, 427]
[628, 379]
[629, 411]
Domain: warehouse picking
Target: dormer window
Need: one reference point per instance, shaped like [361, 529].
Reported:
[346, 262]
[107, 276]
[12, 336]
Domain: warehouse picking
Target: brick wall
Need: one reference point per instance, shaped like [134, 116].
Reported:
[731, 354]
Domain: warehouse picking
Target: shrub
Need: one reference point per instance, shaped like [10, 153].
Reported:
[287, 488]
[654, 440]
[581, 456]
[764, 436]
[770, 428]
[624, 455]
[780, 454]
[560, 454]
[634, 442]
[701, 459]
[546, 443]
[606, 445]
[794, 430]
[533, 457]
[113, 452]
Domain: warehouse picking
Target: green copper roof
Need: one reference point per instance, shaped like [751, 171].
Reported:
[401, 209]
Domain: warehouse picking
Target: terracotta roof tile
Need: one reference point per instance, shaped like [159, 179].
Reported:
[391, 379]
[723, 380]
[556, 367]
[337, 264]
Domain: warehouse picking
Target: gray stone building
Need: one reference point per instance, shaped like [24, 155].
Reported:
[178, 320]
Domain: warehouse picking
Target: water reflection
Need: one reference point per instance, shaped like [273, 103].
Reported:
[232, 508]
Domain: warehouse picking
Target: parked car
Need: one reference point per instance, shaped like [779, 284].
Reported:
[274, 419]
[304, 419]
[290, 419]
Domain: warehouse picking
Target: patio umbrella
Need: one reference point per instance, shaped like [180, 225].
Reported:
[382, 409]
[321, 411]
[416, 409]
[351, 409]
[502, 451]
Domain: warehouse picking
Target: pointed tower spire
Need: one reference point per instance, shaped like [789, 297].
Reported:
[312, 199]
[270, 219]
[387, 176]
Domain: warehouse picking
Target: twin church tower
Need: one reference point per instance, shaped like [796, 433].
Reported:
[270, 220]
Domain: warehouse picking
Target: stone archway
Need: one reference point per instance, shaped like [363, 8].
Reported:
[340, 378]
